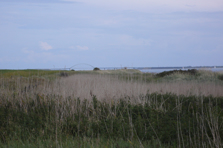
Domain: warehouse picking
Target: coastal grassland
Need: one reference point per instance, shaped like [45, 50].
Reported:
[122, 108]
[28, 73]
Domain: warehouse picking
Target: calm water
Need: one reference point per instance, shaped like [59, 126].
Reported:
[150, 70]
[162, 70]
[158, 70]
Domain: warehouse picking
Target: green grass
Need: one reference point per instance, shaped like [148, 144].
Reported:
[30, 73]
[37, 119]
[167, 119]
[194, 76]
[84, 142]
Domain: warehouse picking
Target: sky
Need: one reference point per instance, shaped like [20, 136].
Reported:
[112, 33]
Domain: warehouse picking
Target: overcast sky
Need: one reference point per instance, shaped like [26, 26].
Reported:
[62, 33]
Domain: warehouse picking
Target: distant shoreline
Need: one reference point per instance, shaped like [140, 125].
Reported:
[137, 68]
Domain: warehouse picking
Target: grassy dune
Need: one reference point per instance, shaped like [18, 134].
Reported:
[118, 108]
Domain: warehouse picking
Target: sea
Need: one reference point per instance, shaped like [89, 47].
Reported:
[157, 69]
[170, 69]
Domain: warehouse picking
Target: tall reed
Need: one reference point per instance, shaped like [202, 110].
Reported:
[116, 107]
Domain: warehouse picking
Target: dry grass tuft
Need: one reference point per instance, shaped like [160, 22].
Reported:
[107, 87]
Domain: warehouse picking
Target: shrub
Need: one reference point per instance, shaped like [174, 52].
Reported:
[96, 69]
[189, 71]
[63, 74]
[220, 77]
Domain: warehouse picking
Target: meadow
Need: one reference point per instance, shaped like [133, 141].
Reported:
[113, 108]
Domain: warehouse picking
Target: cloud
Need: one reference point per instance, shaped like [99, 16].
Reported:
[161, 5]
[82, 47]
[6, 59]
[37, 1]
[45, 46]
[34, 56]
[130, 40]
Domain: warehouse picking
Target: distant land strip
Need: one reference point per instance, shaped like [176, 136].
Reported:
[113, 68]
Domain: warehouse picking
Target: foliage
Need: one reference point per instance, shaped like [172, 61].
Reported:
[32, 117]
[29, 73]
[64, 74]
[96, 69]
[169, 119]
[189, 71]
[220, 77]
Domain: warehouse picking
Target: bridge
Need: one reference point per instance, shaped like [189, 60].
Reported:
[81, 64]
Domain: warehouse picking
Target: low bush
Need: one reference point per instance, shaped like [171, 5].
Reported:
[64, 74]
[96, 69]
[166, 73]
[220, 77]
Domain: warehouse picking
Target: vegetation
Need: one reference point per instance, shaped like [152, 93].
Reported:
[31, 73]
[220, 77]
[96, 68]
[64, 74]
[126, 109]
[166, 73]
